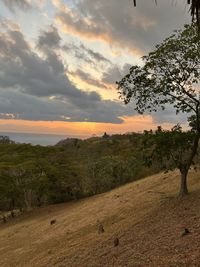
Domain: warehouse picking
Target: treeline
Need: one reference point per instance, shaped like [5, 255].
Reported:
[35, 175]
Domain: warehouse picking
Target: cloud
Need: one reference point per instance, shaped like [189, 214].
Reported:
[14, 104]
[49, 38]
[8, 24]
[24, 69]
[169, 115]
[35, 77]
[86, 77]
[12, 5]
[23, 5]
[35, 86]
[115, 73]
[118, 23]
[94, 55]
[86, 54]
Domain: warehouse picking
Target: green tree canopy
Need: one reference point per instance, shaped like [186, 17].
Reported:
[170, 76]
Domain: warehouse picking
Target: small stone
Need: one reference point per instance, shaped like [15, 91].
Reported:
[116, 242]
[185, 232]
[101, 229]
[52, 221]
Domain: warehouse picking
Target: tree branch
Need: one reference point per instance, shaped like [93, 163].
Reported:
[183, 101]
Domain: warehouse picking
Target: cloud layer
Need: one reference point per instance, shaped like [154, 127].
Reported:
[12, 5]
[119, 23]
[35, 85]
[36, 69]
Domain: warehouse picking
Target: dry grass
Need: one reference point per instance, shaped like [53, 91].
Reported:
[146, 217]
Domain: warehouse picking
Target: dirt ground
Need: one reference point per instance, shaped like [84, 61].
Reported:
[146, 217]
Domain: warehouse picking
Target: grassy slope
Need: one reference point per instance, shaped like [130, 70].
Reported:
[145, 215]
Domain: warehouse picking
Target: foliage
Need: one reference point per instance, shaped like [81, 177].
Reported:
[111, 171]
[170, 77]
[36, 175]
[168, 147]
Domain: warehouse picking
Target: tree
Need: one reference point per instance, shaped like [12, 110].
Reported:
[170, 150]
[4, 140]
[194, 8]
[169, 76]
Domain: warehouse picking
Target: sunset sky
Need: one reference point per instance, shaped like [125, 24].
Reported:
[60, 59]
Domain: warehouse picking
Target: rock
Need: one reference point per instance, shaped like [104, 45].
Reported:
[101, 229]
[116, 242]
[185, 232]
[52, 221]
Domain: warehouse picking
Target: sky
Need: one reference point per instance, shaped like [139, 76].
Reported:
[60, 60]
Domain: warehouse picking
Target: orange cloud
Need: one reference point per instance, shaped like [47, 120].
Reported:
[70, 26]
[107, 91]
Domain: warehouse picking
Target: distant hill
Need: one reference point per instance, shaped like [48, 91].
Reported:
[67, 141]
[104, 137]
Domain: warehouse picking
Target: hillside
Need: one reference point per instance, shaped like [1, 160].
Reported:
[71, 170]
[145, 215]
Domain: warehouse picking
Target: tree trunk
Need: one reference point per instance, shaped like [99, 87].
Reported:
[185, 168]
[183, 188]
[28, 197]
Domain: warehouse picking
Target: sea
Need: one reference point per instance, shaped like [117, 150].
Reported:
[37, 139]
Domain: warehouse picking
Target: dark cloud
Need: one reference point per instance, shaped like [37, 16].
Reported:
[12, 5]
[37, 87]
[49, 38]
[115, 73]
[17, 105]
[86, 54]
[86, 77]
[22, 68]
[94, 55]
[119, 23]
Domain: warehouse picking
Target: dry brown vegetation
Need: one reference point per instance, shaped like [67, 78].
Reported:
[145, 216]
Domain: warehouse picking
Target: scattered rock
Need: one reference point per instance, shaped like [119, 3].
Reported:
[101, 229]
[185, 232]
[116, 242]
[52, 221]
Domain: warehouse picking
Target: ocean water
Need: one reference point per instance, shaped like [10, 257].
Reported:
[36, 139]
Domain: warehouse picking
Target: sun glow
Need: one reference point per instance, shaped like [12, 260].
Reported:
[83, 129]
